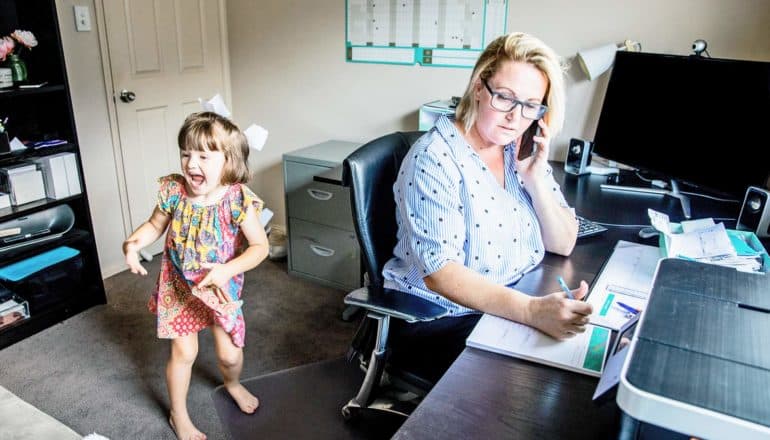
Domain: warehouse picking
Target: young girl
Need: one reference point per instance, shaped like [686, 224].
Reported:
[208, 212]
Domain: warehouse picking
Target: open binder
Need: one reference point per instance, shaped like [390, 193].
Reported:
[627, 274]
[584, 353]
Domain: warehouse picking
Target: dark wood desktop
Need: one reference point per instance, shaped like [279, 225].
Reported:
[486, 395]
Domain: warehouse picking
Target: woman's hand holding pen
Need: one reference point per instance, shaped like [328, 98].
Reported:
[131, 251]
[559, 316]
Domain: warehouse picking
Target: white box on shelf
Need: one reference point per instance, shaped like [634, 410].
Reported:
[54, 170]
[19, 168]
[5, 200]
[24, 183]
[26, 187]
[73, 176]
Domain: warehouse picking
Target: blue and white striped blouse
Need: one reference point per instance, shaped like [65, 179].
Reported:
[450, 207]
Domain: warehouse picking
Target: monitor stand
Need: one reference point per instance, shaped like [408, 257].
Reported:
[674, 192]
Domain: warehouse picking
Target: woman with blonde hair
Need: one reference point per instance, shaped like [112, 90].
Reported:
[478, 207]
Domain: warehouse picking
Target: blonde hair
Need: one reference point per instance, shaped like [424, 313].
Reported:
[520, 47]
[208, 131]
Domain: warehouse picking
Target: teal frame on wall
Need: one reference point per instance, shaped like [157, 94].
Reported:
[437, 33]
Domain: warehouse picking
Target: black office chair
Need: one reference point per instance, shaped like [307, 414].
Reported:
[370, 172]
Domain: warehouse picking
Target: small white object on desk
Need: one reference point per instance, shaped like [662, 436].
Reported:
[431, 111]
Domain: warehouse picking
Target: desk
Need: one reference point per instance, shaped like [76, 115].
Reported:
[486, 395]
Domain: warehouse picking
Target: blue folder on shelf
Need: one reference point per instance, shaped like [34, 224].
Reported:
[24, 268]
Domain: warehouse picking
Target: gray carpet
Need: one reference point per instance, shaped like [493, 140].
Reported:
[103, 370]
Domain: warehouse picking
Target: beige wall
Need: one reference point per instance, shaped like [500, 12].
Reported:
[89, 100]
[289, 75]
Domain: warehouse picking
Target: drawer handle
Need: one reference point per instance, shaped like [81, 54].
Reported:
[319, 195]
[321, 251]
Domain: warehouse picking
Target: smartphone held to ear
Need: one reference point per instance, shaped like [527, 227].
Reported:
[528, 145]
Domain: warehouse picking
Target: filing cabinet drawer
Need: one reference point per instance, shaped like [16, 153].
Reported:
[297, 174]
[325, 253]
[317, 202]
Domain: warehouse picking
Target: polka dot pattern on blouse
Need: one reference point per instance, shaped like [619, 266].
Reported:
[450, 207]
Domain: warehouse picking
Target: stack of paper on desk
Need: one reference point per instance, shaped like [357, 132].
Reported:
[704, 241]
[583, 353]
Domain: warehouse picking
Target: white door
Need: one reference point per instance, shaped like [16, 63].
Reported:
[164, 55]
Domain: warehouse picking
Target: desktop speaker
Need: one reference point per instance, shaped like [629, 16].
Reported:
[755, 212]
[578, 157]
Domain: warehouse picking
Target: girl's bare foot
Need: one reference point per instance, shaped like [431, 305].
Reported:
[184, 429]
[246, 401]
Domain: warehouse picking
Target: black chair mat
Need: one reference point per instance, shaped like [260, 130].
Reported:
[304, 402]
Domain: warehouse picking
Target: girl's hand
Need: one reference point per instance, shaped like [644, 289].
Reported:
[131, 251]
[531, 169]
[217, 278]
[559, 316]
[221, 296]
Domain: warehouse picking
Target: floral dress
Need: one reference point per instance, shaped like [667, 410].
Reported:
[198, 233]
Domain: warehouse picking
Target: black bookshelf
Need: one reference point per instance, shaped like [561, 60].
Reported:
[41, 113]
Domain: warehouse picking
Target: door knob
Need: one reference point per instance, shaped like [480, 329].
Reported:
[127, 95]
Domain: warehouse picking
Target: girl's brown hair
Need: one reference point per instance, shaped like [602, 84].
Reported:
[208, 131]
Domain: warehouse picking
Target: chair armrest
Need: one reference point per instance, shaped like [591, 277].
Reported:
[397, 304]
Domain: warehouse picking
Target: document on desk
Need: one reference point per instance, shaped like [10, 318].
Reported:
[625, 281]
[583, 353]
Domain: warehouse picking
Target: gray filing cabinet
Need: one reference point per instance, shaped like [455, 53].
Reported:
[321, 236]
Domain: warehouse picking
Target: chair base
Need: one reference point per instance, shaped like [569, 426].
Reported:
[304, 403]
[398, 410]
[397, 399]
[350, 313]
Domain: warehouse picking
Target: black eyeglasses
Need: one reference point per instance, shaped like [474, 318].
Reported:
[506, 104]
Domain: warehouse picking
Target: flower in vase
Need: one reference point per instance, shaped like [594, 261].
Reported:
[25, 38]
[6, 47]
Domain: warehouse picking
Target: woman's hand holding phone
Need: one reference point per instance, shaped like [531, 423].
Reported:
[536, 163]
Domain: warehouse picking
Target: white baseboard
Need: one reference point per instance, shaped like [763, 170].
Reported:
[108, 271]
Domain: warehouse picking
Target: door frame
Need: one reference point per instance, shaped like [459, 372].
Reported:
[112, 111]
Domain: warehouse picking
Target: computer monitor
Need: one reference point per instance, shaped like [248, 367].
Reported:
[700, 121]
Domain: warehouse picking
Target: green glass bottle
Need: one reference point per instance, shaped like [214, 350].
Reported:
[18, 68]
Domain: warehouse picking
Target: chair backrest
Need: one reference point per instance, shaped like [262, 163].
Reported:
[370, 172]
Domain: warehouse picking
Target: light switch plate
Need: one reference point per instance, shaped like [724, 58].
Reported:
[82, 18]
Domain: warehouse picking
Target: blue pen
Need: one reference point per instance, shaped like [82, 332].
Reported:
[628, 308]
[564, 287]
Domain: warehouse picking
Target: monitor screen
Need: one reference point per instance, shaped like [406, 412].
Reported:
[702, 121]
